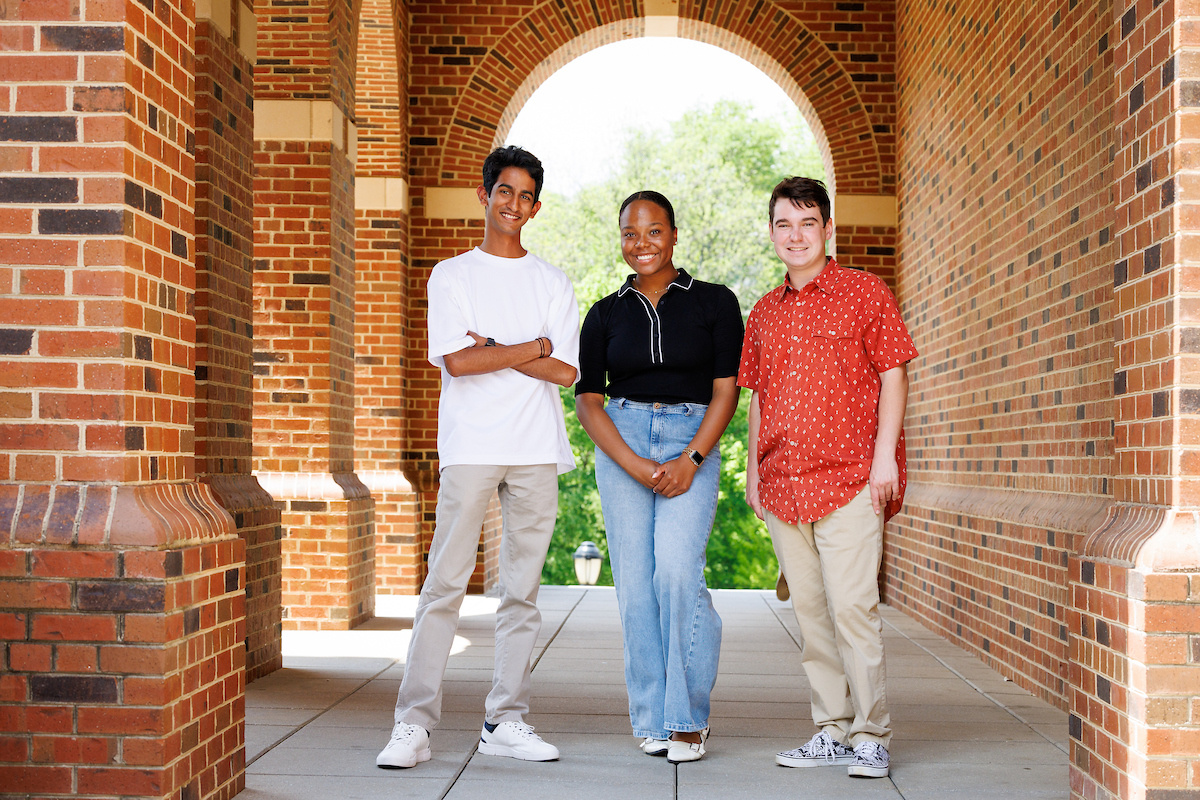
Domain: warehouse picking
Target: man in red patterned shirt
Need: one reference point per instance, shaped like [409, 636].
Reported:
[825, 357]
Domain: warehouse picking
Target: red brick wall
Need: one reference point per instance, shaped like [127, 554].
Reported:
[1006, 252]
[224, 331]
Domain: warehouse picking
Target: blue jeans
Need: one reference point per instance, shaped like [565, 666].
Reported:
[657, 548]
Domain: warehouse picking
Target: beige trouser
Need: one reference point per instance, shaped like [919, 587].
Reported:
[529, 503]
[832, 568]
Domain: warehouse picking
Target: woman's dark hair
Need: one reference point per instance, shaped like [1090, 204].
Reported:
[502, 158]
[804, 193]
[653, 197]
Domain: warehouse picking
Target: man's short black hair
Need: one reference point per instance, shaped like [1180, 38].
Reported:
[803, 193]
[502, 158]
[653, 197]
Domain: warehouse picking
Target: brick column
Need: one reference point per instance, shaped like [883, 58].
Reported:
[1135, 588]
[381, 219]
[225, 42]
[121, 602]
[304, 292]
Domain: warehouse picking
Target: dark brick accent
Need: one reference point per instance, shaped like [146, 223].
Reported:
[143, 348]
[1103, 689]
[232, 579]
[1151, 259]
[15, 342]
[83, 38]
[1189, 401]
[80, 222]
[38, 129]
[135, 438]
[117, 596]
[72, 689]
[309, 505]
[289, 397]
[1075, 727]
[191, 621]
[1088, 573]
[173, 564]
[179, 244]
[39, 190]
[311, 278]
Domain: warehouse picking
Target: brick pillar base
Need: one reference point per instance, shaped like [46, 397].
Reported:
[122, 670]
[328, 554]
[398, 564]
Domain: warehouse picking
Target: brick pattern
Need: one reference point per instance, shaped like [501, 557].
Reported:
[381, 272]
[870, 249]
[1100, 725]
[1006, 249]
[1144, 293]
[96, 199]
[463, 83]
[224, 331]
[121, 672]
[304, 307]
[306, 50]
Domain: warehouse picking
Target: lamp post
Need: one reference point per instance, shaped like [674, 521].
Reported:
[587, 563]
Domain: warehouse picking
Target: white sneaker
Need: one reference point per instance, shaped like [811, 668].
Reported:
[870, 761]
[680, 752]
[409, 744]
[822, 750]
[516, 740]
[655, 747]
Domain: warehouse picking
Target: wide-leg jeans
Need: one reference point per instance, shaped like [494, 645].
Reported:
[657, 547]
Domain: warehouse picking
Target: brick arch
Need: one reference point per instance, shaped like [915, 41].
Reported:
[777, 43]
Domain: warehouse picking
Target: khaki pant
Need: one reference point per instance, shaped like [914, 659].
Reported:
[832, 568]
[529, 502]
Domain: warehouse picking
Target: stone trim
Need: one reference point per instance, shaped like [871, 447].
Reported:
[451, 202]
[381, 193]
[305, 121]
[866, 210]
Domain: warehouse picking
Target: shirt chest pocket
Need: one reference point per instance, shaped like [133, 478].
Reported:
[832, 326]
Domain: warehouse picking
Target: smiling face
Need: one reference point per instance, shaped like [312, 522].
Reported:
[647, 238]
[511, 203]
[799, 237]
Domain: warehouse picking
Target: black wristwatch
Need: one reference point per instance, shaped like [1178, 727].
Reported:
[490, 342]
[693, 456]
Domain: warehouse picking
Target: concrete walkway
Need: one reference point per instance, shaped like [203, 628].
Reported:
[961, 731]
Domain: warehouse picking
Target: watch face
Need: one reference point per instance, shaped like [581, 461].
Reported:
[696, 458]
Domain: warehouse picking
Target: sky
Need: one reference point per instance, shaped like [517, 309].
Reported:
[577, 119]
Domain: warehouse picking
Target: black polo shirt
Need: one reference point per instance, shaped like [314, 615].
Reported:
[671, 353]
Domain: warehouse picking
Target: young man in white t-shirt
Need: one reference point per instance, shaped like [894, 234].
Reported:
[504, 328]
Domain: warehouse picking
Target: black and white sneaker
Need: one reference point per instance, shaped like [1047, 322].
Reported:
[822, 750]
[870, 761]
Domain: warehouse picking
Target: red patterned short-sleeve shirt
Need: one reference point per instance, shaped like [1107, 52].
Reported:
[814, 355]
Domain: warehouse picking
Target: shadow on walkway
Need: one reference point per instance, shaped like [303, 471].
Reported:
[961, 731]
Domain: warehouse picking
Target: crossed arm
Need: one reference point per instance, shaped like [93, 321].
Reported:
[525, 358]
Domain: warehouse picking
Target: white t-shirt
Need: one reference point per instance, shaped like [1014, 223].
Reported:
[505, 417]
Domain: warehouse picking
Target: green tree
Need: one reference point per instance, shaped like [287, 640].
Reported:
[717, 165]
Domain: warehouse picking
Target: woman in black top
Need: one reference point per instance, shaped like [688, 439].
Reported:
[665, 348]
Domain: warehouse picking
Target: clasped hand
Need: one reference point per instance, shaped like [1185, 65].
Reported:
[670, 479]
